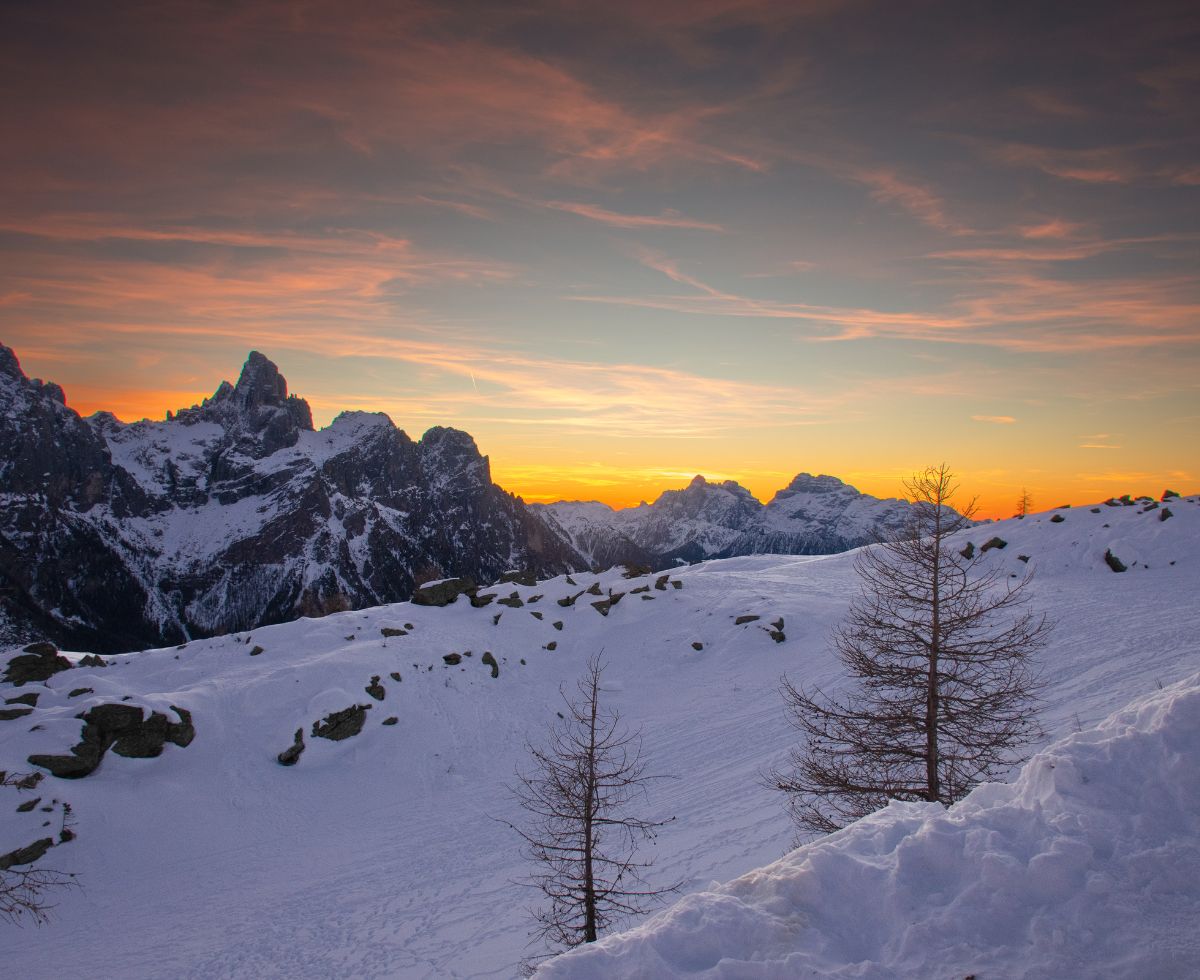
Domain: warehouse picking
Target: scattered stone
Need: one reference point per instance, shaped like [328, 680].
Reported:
[593, 589]
[522, 661]
[614, 597]
[776, 635]
[350, 637]
[395, 675]
[1165, 514]
[1095, 510]
[1024, 558]
[91, 660]
[741, 620]
[12, 714]
[1057, 519]
[650, 597]
[342, 724]
[569, 600]
[634, 570]
[145, 741]
[26, 855]
[442, 593]
[660, 583]
[677, 584]
[257, 649]
[490, 661]
[968, 552]
[391, 721]
[479, 601]
[1126, 500]
[640, 589]
[535, 614]
[513, 601]
[602, 606]
[29, 805]
[496, 619]
[697, 645]
[409, 627]
[30, 698]
[551, 646]
[392, 631]
[291, 755]
[1153, 505]
[571, 581]
[375, 689]
[1168, 494]
[994, 543]
[778, 624]
[182, 732]
[38, 662]
[80, 691]
[557, 624]
[1113, 561]
[452, 659]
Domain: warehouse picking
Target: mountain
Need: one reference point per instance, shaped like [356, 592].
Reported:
[235, 513]
[385, 853]
[812, 515]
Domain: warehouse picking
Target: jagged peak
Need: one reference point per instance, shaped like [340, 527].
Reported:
[806, 481]
[9, 365]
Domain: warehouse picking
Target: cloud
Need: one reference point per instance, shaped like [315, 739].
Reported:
[997, 419]
[1093, 445]
[888, 187]
[667, 219]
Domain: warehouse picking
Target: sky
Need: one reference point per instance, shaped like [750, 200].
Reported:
[625, 243]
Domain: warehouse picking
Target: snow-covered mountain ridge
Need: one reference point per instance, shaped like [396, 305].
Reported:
[382, 855]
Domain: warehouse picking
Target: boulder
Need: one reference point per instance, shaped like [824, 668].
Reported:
[745, 619]
[26, 855]
[91, 660]
[697, 645]
[392, 631]
[479, 601]
[38, 662]
[488, 660]
[30, 698]
[994, 543]
[513, 601]
[452, 659]
[375, 689]
[443, 593]
[1113, 561]
[391, 721]
[12, 714]
[291, 755]
[518, 577]
[343, 724]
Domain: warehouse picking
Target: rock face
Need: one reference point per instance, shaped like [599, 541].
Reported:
[122, 728]
[812, 515]
[234, 514]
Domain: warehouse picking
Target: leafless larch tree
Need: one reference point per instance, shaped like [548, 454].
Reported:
[25, 886]
[581, 833]
[938, 646]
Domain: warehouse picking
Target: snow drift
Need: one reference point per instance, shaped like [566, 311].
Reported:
[1087, 865]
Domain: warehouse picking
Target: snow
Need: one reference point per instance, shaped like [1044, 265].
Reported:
[385, 855]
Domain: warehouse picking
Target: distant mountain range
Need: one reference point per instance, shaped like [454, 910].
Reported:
[236, 513]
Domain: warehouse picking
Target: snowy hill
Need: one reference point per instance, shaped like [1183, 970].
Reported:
[812, 515]
[383, 854]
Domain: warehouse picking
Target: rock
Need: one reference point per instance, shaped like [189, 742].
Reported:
[513, 601]
[146, 741]
[745, 619]
[1165, 514]
[490, 661]
[535, 614]
[569, 600]
[697, 645]
[675, 583]
[391, 721]
[571, 581]
[91, 660]
[291, 755]
[26, 855]
[557, 624]
[593, 589]
[1153, 505]
[1113, 561]
[496, 619]
[1168, 494]
[519, 578]
[182, 732]
[30, 698]
[660, 583]
[776, 635]
[1095, 510]
[968, 552]
[1024, 558]
[375, 689]
[534, 598]
[29, 805]
[602, 606]
[479, 601]
[634, 570]
[342, 724]
[994, 543]
[778, 624]
[452, 659]
[256, 651]
[648, 597]
[639, 590]
[551, 646]
[12, 714]
[395, 675]
[392, 631]
[39, 662]
[442, 593]
[80, 691]
[1057, 519]
[82, 762]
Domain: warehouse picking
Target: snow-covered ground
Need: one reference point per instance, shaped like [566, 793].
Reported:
[386, 855]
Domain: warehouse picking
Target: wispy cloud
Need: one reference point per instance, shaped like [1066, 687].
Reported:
[996, 419]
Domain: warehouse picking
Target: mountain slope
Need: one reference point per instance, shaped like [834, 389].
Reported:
[382, 855]
[236, 513]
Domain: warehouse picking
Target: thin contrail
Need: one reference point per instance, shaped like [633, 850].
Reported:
[473, 384]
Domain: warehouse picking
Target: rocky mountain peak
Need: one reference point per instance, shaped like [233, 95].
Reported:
[807, 483]
[10, 367]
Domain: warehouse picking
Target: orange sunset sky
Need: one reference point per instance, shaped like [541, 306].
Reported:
[625, 243]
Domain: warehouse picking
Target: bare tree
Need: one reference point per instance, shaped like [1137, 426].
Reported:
[1024, 503]
[24, 885]
[943, 693]
[581, 833]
